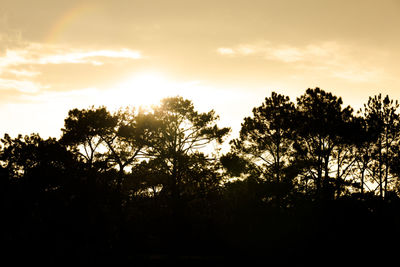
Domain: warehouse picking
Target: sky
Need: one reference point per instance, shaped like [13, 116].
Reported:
[226, 55]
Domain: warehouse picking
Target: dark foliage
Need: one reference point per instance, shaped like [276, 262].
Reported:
[309, 183]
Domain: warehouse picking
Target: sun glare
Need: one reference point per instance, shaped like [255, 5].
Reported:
[142, 89]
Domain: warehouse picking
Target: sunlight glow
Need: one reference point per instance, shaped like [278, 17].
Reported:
[142, 89]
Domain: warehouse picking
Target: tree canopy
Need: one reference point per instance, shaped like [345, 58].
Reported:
[143, 184]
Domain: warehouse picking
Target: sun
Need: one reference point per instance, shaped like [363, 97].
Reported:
[142, 89]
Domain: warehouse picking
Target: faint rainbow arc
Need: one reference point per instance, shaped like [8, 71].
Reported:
[65, 21]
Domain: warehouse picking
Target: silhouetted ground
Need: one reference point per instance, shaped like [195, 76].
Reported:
[336, 232]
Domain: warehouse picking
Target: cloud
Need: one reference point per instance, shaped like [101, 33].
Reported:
[342, 61]
[88, 57]
[289, 54]
[283, 53]
[24, 73]
[226, 51]
[18, 65]
[21, 86]
[35, 54]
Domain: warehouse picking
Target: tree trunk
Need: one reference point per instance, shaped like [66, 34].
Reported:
[278, 167]
[362, 178]
[380, 167]
[327, 191]
[338, 182]
[386, 162]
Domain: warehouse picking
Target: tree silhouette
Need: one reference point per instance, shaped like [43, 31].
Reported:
[265, 139]
[84, 132]
[179, 147]
[365, 135]
[108, 140]
[321, 120]
[136, 184]
[263, 148]
[381, 116]
[23, 156]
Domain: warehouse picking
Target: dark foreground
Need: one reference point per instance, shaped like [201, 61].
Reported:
[56, 230]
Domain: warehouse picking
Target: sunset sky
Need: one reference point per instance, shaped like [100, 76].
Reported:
[226, 55]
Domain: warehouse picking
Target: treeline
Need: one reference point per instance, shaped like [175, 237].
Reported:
[302, 180]
[321, 148]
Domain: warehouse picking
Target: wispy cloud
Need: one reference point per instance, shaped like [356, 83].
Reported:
[333, 59]
[284, 53]
[289, 54]
[24, 73]
[88, 57]
[226, 51]
[45, 54]
[23, 86]
[19, 65]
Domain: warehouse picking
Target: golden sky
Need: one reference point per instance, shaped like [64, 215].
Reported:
[226, 55]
